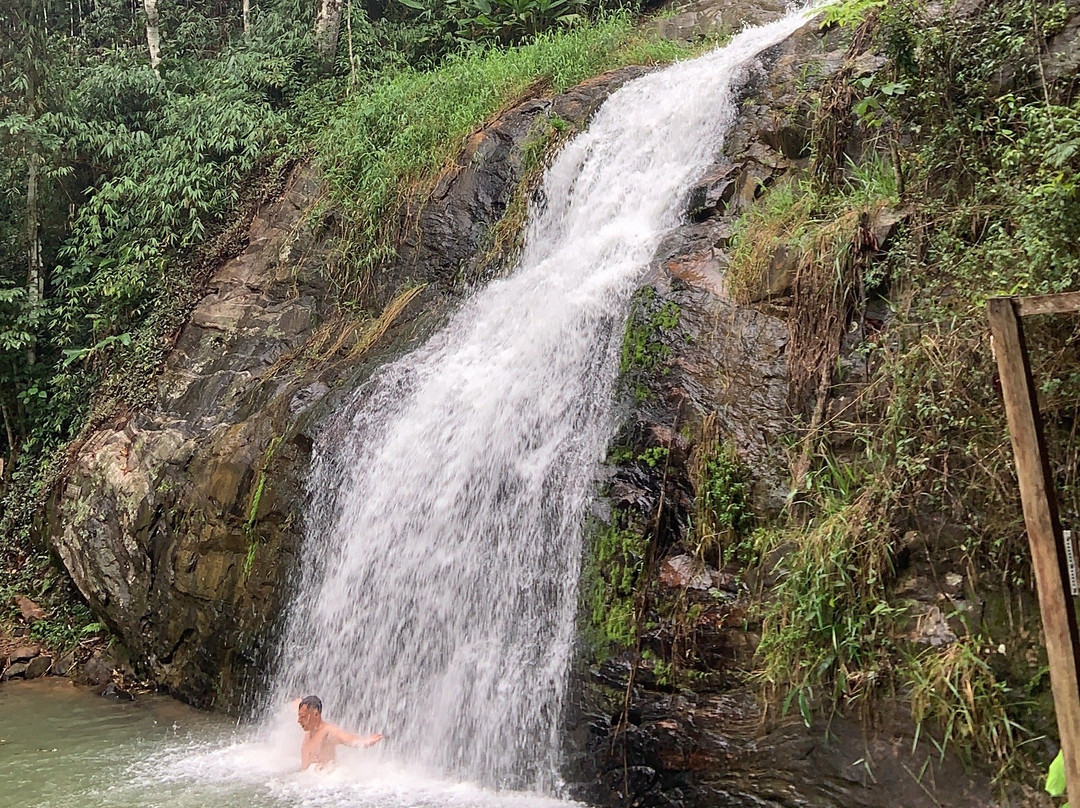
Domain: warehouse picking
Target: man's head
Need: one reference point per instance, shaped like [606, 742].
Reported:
[309, 713]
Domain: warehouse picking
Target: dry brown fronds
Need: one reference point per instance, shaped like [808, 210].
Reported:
[833, 120]
[377, 329]
[343, 337]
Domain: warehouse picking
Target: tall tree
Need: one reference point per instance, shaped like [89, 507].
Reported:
[327, 28]
[153, 33]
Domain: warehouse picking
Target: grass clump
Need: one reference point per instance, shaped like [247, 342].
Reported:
[828, 628]
[723, 518]
[617, 562]
[396, 133]
[807, 227]
[954, 691]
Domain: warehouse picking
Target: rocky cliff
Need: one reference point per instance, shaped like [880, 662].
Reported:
[179, 523]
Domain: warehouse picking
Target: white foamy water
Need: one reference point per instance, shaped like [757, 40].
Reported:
[439, 575]
[439, 586]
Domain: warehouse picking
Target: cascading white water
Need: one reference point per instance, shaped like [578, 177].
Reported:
[444, 536]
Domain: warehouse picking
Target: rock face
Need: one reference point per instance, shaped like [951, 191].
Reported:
[176, 522]
[634, 737]
[179, 523]
[715, 749]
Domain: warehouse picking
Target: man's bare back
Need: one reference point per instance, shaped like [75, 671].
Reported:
[321, 738]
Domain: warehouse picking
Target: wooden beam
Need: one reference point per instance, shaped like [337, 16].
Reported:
[1063, 303]
[1043, 528]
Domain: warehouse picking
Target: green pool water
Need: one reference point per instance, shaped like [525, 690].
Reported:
[64, 747]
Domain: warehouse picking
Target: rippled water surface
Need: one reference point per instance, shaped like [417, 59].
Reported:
[63, 747]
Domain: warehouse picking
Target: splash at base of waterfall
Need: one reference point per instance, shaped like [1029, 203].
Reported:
[64, 747]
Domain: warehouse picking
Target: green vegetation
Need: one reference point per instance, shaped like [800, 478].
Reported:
[1055, 778]
[827, 630]
[256, 495]
[723, 518]
[976, 145]
[67, 621]
[618, 559]
[253, 507]
[644, 350]
[955, 691]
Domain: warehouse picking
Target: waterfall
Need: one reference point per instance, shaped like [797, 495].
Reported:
[439, 577]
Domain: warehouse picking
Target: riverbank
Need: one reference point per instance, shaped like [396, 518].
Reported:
[39, 641]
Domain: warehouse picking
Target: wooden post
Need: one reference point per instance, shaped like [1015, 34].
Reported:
[1043, 528]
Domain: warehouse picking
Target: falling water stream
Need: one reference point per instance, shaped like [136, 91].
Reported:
[438, 582]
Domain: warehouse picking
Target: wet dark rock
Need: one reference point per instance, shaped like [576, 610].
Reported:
[718, 749]
[95, 671]
[683, 572]
[712, 192]
[474, 192]
[1061, 62]
[16, 670]
[64, 664]
[112, 691]
[38, 666]
[24, 653]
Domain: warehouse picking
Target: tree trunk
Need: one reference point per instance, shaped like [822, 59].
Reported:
[327, 26]
[10, 443]
[348, 31]
[247, 15]
[153, 33]
[35, 284]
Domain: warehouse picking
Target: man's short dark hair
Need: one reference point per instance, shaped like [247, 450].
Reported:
[312, 703]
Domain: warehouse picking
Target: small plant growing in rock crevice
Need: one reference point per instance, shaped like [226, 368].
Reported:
[723, 517]
[644, 349]
[618, 559]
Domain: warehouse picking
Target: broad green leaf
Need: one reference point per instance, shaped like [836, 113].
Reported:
[1055, 777]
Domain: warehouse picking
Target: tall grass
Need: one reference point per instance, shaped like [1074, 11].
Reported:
[397, 133]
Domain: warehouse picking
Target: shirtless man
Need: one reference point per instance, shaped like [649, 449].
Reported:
[321, 738]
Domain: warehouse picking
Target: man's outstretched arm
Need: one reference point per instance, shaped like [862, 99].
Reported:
[360, 741]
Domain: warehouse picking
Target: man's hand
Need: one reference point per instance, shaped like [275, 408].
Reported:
[370, 740]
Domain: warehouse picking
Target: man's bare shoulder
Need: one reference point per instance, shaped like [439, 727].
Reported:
[337, 734]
